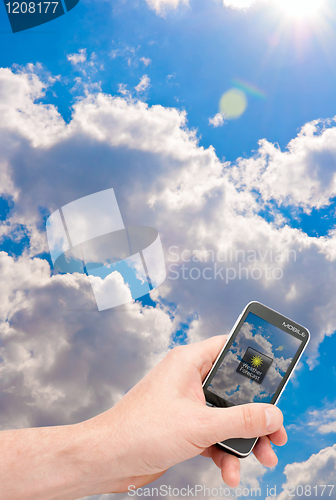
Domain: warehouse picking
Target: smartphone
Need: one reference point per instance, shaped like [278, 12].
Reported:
[255, 364]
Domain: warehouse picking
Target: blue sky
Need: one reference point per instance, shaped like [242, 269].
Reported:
[166, 175]
[196, 54]
[204, 47]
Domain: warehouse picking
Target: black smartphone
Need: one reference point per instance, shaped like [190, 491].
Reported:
[255, 364]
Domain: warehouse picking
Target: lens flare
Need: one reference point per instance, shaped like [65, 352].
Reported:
[233, 103]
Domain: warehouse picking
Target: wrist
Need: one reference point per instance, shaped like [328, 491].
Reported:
[97, 456]
[48, 463]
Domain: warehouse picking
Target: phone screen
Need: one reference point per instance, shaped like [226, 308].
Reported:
[254, 365]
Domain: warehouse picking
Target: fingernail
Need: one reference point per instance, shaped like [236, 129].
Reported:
[272, 418]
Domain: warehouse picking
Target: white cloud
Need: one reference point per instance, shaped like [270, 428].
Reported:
[146, 61]
[126, 52]
[60, 357]
[217, 120]
[111, 287]
[304, 175]
[77, 58]
[122, 89]
[143, 85]
[238, 4]
[202, 472]
[88, 67]
[19, 112]
[323, 420]
[168, 177]
[161, 6]
[85, 87]
[318, 470]
[65, 361]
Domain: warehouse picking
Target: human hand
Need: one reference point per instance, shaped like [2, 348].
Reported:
[164, 420]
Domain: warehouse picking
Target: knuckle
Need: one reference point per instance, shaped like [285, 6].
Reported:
[176, 351]
[248, 419]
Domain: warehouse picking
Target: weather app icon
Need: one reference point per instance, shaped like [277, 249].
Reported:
[254, 365]
[88, 236]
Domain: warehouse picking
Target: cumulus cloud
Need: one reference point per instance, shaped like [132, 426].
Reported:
[162, 6]
[202, 472]
[168, 174]
[145, 60]
[143, 85]
[126, 52]
[18, 94]
[60, 357]
[79, 57]
[64, 361]
[217, 120]
[304, 175]
[319, 470]
[122, 89]
[324, 421]
[112, 285]
[167, 177]
[88, 67]
[238, 4]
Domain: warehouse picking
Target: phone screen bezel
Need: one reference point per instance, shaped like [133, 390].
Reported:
[274, 318]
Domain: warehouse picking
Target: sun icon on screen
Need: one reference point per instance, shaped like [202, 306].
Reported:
[256, 361]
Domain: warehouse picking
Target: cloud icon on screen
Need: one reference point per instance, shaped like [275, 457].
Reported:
[88, 236]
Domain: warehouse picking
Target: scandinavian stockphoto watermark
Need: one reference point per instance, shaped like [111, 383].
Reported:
[229, 265]
[88, 236]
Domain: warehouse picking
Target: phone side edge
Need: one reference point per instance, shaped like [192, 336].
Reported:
[235, 452]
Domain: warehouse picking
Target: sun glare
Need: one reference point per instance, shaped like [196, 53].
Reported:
[300, 9]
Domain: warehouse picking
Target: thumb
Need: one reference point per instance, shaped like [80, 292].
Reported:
[241, 421]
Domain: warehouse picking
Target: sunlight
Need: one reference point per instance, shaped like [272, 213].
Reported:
[300, 9]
